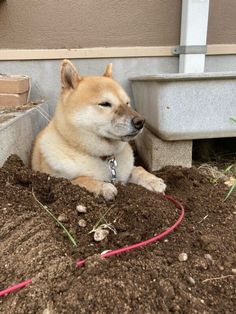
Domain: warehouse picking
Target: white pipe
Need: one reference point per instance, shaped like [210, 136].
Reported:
[194, 24]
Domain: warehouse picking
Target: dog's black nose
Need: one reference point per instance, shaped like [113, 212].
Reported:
[138, 122]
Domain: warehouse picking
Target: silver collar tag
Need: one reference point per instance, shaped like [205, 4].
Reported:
[112, 166]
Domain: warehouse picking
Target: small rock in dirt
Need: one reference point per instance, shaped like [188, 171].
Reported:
[105, 252]
[62, 218]
[81, 209]
[183, 257]
[166, 289]
[46, 311]
[175, 308]
[208, 242]
[209, 258]
[234, 271]
[82, 223]
[124, 235]
[191, 280]
[100, 234]
[221, 267]
[200, 263]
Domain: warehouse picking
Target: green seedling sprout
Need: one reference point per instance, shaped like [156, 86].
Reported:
[57, 221]
[105, 225]
[233, 187]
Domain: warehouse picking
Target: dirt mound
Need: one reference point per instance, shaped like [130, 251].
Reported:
[147, 280]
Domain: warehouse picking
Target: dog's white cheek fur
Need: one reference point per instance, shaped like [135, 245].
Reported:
[101, 123]
[91, 119]
[69, 163]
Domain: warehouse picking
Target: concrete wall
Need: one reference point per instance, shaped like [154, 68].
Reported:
[46, 79]
[88, 23]
[220, 63]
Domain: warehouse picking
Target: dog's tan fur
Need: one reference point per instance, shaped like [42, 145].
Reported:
[83, 132]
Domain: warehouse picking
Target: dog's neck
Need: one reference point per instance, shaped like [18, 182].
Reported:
[99, 146]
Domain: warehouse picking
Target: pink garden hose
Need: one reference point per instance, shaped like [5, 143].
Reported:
[15, 287]
[117, 251]
[143, 243]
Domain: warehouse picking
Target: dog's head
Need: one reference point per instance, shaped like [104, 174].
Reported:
[98, 104]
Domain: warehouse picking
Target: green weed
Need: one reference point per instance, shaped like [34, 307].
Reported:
[56, 220]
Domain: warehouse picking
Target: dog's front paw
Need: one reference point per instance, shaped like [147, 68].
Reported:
[155, 184]
[108, 191]
[144, 178]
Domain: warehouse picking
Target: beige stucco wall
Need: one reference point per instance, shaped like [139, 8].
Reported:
[222, 22]
[89, 23]
[105, 23]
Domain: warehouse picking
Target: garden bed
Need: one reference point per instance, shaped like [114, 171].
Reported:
[146, 280]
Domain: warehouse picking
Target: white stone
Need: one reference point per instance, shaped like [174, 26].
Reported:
[183, 257]
[62, 218]
[100, 234]
[209, 258]
[191, 280]
[82, 223]
[81, 209]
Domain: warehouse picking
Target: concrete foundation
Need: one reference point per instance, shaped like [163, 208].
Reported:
[18, 133]
[157, 153]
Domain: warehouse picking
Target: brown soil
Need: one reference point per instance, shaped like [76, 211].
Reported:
[29, 105]
[147, 280]
[4, 118]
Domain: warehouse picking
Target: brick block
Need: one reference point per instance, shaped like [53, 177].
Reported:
[14, 84]
[7, 100]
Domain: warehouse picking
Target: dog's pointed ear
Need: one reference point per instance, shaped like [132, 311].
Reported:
[108, 70]
[69, 76]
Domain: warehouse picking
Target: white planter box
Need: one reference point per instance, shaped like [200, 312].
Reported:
[187, 106]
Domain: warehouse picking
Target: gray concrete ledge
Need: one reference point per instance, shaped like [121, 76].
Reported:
[186, 76]
[18, 133]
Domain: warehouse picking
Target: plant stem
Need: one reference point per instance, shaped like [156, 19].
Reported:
[231, 190]
[57, 221]
[101, 218]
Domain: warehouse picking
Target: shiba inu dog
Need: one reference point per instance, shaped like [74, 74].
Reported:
[87, 139]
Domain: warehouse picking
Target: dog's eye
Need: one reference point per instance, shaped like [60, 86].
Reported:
[105, 104]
